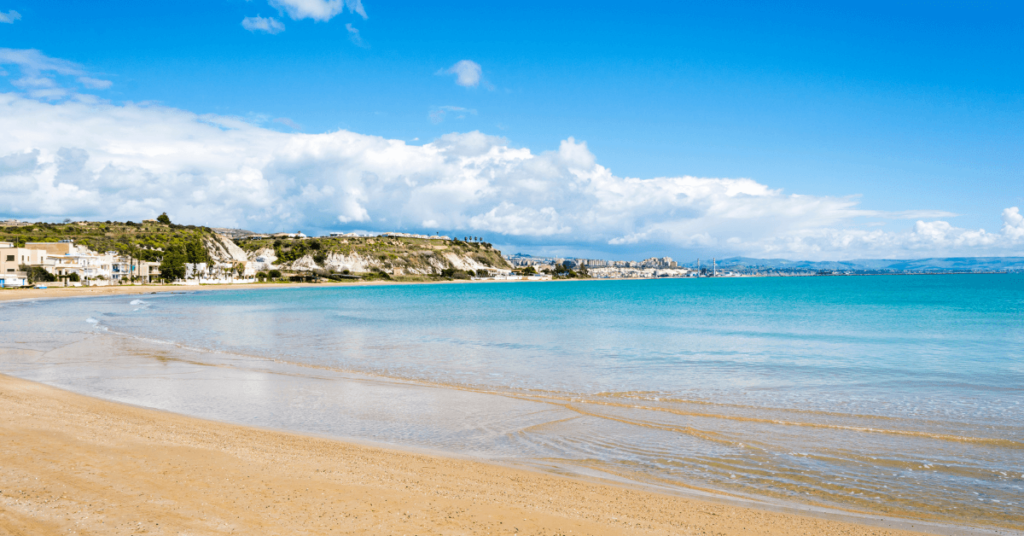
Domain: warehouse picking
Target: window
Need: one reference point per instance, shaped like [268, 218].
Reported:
[10, 258]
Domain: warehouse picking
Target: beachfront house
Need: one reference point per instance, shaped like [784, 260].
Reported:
[13, 259]
[64, 258]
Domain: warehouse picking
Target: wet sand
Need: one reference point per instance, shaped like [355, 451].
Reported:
[127, 290]
[75, 464]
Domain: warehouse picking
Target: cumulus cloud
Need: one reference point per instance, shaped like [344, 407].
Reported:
[9, 17]
[1013, 223]
[318, 10]
[468, 73]
[259, 24]
[90, 159]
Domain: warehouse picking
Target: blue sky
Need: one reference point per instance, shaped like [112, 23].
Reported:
[915, 110]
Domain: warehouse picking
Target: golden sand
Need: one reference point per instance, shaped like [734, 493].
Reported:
[71, 464]
[71, 292]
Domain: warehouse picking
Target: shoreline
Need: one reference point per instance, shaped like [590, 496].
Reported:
[130, 290]
[74, 461]
[15, 294]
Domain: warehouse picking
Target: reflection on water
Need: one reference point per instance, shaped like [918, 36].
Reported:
[897, 395]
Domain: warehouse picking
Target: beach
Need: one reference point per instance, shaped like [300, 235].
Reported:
[75, 464]
[131, 290]
[116, 409]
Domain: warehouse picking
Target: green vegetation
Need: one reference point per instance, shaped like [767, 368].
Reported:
[147, 241]
[393, 252]
[37, 274]
[174, 246]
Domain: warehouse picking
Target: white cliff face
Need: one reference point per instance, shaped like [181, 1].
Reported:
[465, 263]
[262, 259]
[412, 263]
[223, 249]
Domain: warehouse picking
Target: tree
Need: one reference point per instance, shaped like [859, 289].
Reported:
[74, 278]
[172, 267]
[164, 219]
[196, 252]
[274, 274]
[38, 274]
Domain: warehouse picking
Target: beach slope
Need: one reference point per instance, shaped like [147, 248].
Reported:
[70, 464]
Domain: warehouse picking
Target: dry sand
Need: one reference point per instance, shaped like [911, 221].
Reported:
[71, 464]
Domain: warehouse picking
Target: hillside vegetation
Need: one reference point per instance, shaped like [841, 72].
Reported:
[174, 245]
[387, 254]
[147, 241]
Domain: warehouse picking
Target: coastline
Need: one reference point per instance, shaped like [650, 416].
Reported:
[70, 461]
[129, 290]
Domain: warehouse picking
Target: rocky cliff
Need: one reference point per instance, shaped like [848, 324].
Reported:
[390, 255]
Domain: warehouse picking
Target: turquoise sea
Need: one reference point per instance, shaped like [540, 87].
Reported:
[898, 395]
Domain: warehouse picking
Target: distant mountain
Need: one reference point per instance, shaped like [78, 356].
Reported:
[949, 264]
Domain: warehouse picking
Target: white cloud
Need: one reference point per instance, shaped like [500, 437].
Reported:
[9, 17]
[1013, 223]
[288, 123]
[41, 71]
[270, 25]
[318, 10]
[437, 115]
[353, 35]
[94, 83]
[35, 61]
[468, 73]
[82, 158]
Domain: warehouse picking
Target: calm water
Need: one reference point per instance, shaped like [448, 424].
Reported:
[885, 394]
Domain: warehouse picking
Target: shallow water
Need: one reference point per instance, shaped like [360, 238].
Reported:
[897, 395]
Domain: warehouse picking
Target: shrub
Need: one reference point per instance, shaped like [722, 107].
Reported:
[74, 277]
[482, 273]
[38, 274]
[274, 274]
[455, 274]
[163, 218]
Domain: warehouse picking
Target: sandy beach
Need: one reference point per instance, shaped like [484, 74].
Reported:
[71, 464]
[127, 290]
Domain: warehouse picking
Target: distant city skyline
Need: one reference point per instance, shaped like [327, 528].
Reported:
[803, 131]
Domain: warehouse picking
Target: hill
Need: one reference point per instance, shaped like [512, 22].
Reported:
[151, 241]
[404, 256]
